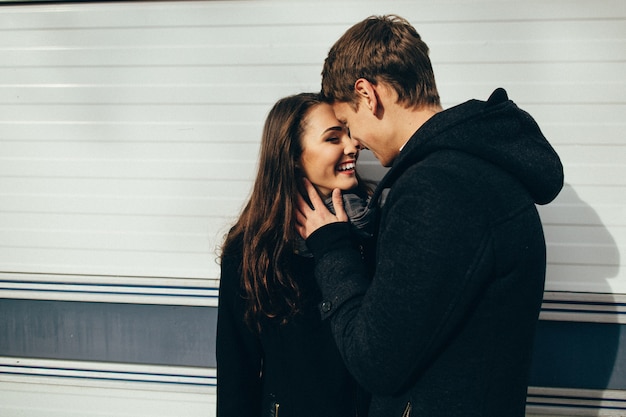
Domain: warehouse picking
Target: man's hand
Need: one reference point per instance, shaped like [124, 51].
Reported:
[310, 219]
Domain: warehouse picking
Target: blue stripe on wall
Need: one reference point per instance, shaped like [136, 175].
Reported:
[108, 332]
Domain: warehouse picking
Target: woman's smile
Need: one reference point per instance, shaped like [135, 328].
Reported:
[347, 167]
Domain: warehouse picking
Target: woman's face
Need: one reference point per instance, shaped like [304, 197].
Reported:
[328, 154]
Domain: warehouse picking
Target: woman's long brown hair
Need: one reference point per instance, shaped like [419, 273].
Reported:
[266, 225]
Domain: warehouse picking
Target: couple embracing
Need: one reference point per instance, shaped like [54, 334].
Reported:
[335, 302]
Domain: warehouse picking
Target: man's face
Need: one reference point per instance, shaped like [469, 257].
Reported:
[366, 129]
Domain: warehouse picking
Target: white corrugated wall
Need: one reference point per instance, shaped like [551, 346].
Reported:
[129, 135]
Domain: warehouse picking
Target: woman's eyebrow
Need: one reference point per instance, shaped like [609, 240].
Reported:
[333, 128]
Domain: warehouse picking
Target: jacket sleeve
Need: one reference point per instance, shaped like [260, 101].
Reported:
[422, 289]
[239, 354]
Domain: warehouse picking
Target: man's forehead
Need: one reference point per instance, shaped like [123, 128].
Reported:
[342, 110]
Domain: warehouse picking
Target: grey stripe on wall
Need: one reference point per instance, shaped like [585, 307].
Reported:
[580, 355]
[583, 355]
[108, 332]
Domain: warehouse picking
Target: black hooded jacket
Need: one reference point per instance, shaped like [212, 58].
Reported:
[446, 326]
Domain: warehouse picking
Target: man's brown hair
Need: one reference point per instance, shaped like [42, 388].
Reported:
[381, 49]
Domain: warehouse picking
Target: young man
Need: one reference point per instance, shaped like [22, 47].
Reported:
[446, 325]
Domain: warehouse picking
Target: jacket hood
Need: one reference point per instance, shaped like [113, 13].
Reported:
[495, 130]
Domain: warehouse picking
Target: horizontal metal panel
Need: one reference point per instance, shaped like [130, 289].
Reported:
[156, 170]
[202, 94]
[579, 355]
[133, 224]
[583, 307]
[58, 49]
[544, 402]
[580, 277]
[181, 13]
[126, 187]
[148, 132]
[53, 396]
[132, 113]
[144, 117]
[302, 73]
[161, 152]
[168, 335]
[112, 262]
[192, 377]
[582, 215]
[111, 289]
[172, 74]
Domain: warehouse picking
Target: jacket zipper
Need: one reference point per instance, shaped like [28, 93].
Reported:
[407, 410]
[274, 406]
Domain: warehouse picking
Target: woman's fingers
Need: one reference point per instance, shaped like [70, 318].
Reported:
[309, 219]
[338, 205]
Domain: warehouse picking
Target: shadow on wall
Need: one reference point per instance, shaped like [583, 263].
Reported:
[583, 346]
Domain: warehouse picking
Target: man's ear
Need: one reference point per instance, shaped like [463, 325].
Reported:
[367, 94]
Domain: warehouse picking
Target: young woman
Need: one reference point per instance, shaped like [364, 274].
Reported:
[275, 356]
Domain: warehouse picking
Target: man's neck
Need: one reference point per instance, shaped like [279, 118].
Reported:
[411, 119]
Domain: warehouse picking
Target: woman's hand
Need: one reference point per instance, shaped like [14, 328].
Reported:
[310, 219]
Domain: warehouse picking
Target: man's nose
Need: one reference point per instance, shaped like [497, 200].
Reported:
[353, 146]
